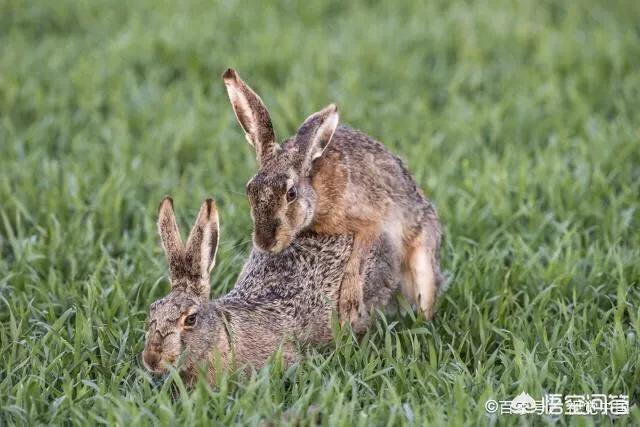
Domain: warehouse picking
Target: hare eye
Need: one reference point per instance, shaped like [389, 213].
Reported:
[190, 320]
[292, 193]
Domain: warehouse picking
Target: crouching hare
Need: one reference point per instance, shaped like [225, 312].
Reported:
[279, 301]
[335, 180]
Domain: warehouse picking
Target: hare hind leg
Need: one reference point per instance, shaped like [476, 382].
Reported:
[423, 271]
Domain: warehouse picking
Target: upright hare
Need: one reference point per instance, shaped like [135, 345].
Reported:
[279, 301]
[335, 180]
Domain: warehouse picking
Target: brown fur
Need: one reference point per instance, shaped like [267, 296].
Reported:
[346, 182]
[279, 301]
[257, 126]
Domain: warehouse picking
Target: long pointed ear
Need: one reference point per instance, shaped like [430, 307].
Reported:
[170, 237]
[315, 134]
[202, 245]
[252, 115]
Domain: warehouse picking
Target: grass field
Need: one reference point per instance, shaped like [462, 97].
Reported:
[520, 120]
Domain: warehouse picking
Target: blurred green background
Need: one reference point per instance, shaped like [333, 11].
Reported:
[519, 119]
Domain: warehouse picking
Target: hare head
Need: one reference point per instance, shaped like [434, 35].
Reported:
[182, 320]
[281, 196]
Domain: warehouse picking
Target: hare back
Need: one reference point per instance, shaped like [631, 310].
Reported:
[297, 289]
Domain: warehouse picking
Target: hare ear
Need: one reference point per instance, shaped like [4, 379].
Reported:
[170, 237]
[315, 134]
[252, 115]
[202, 245]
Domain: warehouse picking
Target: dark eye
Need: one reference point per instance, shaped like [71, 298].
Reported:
[292, 193]
[190, 320]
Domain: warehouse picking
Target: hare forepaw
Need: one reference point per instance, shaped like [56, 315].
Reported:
[352, 311]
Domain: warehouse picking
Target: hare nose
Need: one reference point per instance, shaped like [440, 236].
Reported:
[155, 339]
[159, 335]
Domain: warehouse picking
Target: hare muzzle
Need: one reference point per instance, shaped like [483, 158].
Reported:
[265, 235]
[152, 353]
[151, 360]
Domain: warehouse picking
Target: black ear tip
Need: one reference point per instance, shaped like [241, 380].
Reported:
[211, 206]
[166, 199]
[230, 74]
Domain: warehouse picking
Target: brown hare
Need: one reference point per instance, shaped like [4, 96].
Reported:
[279, 301]
[331, 179]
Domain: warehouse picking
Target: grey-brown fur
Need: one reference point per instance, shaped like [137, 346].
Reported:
[279, 301]
[335, 180]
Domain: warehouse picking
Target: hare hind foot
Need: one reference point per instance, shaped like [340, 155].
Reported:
[421, 272]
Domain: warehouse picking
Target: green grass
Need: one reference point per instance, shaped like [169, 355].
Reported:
[521, 120]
